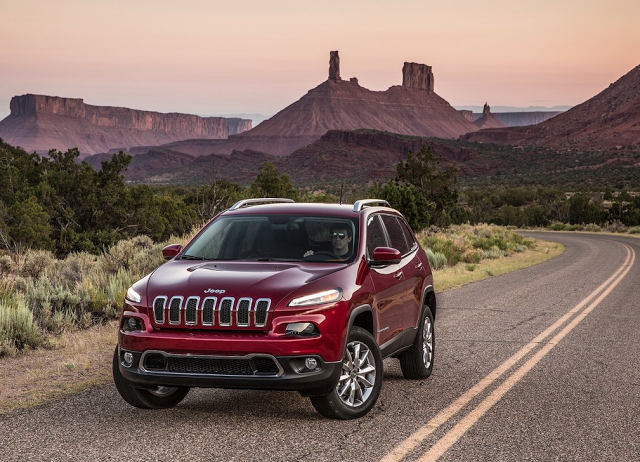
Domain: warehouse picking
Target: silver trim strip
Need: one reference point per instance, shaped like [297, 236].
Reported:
[266, 315]
[213, 311]
[237, 310]
[164, 306]
[186, 306]
[359, 205]
[264, 200]
[226, 324]
[178, 297]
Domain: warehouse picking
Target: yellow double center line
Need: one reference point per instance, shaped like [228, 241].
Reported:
[452, 436]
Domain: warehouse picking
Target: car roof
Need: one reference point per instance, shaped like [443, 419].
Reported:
[312, 208]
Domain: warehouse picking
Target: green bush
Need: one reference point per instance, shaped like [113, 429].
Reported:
[18, 330]
[557, 226]
[437, 260]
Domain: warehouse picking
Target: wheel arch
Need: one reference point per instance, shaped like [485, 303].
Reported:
[362, 316]
[429, 299]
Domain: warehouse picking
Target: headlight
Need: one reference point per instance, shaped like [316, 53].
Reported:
[328, 296]
[133, 296]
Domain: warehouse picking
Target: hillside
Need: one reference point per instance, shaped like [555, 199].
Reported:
[610, 119]
[40, 123]
[358, 158]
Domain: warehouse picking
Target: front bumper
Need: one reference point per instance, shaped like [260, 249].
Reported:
[215, 371]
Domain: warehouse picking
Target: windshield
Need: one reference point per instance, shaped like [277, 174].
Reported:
[276, 238]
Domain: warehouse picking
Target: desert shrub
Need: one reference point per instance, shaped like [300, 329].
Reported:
[47, 299]
[472, 256]
[59, 321]
[6, 264]
[518, 248]
[18, 330]
[115, 291]
[494, 253]
[437, 260]
[557, 226]
[146, 260]
[73, 269]
[634, 230]
[616, 226]
[593, 228]
[121, 255]
[36, 262]
[450, 247]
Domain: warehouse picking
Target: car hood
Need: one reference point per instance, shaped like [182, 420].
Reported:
[273, 280]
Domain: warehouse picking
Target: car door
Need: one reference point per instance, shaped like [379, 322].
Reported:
[388, 285]
[412, 269]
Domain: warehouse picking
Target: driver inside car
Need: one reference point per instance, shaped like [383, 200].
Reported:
[340, 242]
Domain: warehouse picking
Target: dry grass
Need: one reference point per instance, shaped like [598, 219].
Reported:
[81, 360]
[78, 361]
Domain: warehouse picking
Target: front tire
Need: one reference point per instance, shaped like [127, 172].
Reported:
[158, 398]
[417, 362]
[360, 382]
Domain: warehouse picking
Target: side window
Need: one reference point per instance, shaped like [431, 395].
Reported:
[408, 235]
[396, 234]
[375, 235]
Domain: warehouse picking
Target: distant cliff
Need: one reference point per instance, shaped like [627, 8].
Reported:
[521, 119]
[40, 123]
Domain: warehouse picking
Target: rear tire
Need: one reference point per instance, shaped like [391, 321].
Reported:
[360, 382]
[158, 398]
[417, 362]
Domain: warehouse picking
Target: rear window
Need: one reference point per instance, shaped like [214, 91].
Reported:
[276, 238]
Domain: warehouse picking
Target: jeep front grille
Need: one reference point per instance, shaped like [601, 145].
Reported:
[250, 365]
[211, 311]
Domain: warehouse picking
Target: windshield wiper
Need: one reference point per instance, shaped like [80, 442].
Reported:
[191, 257]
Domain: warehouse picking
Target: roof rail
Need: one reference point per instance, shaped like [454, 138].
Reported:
[262, 200]
[359, 205]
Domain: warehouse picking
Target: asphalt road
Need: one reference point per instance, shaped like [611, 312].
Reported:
[541, 364]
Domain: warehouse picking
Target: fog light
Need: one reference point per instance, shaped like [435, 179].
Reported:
[301, 328]
[311, 363]
[132, 325]
[128, 359]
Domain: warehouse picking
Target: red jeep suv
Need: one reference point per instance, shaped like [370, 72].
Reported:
[272, 294]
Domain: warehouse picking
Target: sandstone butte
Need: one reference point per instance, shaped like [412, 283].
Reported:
[611, 119]
[412, 108]
[40, 123]
[488, 119]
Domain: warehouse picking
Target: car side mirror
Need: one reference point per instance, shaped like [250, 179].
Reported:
[171, 251]
[386, 256]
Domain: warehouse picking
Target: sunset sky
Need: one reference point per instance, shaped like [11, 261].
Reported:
[212, 57]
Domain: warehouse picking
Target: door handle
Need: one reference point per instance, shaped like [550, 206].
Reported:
[398, 275]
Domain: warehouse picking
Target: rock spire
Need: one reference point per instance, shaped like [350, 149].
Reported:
[334, 66]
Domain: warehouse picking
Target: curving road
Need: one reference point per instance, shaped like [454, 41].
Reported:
[542, 364]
